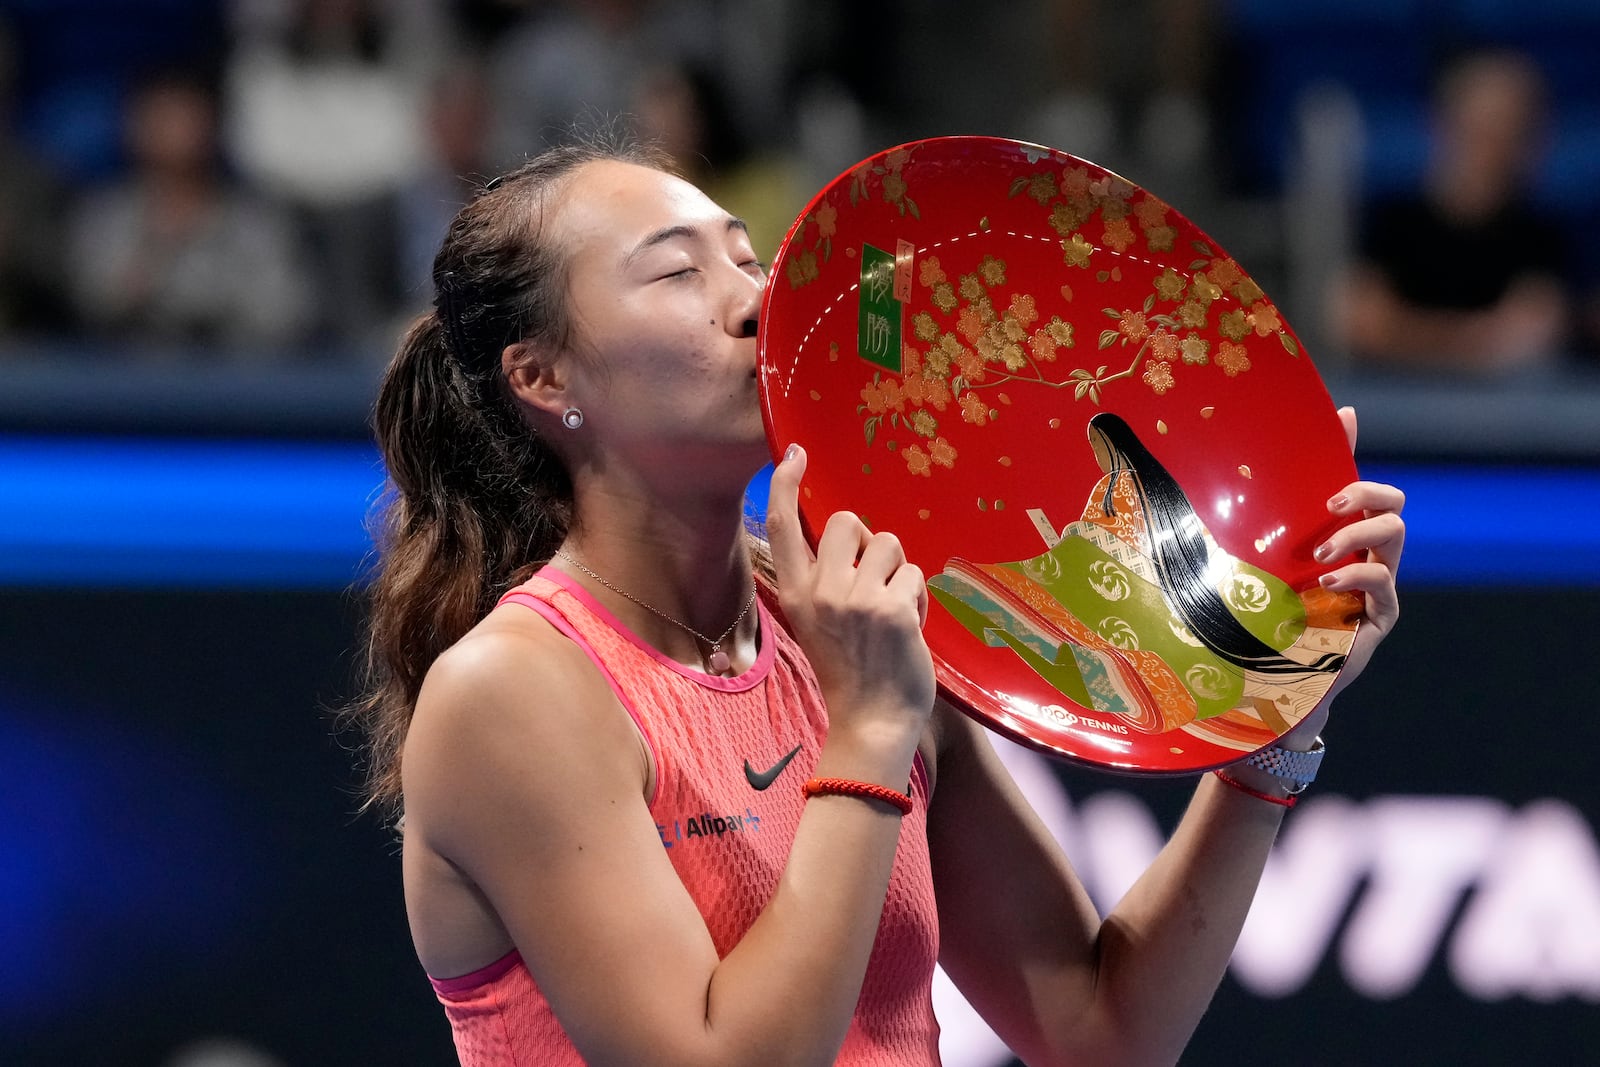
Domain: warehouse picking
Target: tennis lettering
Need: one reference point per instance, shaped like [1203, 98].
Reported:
[1062, 717]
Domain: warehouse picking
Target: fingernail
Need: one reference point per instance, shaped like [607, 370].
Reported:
[1338, 503]
[791, 452]
[1323, 551]
[1327, 581]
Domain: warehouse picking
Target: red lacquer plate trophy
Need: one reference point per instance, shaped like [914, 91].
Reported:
[1088, 426]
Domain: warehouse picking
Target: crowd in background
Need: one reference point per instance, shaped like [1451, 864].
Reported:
[268, 179]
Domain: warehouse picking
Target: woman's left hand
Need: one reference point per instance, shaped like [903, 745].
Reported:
[1376, 535]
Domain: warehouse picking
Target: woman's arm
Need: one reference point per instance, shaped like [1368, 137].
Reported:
[1019, 934]
[522, 771]
[1022, 940]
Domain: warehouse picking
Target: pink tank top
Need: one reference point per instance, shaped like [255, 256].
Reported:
[730, 756]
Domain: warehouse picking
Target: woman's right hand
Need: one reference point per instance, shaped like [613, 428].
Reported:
[857, 607]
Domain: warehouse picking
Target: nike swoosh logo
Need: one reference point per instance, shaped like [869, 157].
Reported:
[762, 779]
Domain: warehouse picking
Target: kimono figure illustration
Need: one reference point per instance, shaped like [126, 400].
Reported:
[1135, 611]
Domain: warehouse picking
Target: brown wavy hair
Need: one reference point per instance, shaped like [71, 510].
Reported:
[475, 500]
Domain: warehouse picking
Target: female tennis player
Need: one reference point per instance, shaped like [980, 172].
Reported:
[669, 801]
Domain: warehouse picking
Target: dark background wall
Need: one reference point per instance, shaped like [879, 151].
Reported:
[182, 856]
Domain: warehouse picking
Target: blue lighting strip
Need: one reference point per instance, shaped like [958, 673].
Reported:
[1506, 526]
[184, 513]
[78, 512]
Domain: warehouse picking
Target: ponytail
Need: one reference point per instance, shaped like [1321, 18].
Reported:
[476, 500]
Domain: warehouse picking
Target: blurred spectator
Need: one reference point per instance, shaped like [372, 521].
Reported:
[324, 103]
[1126, 84]
[175, 255]
[1465, 276]
[456, 160]
[921, 68]
[79, 58]
[30, 225]
[1129, 86]
[684, 111]
[575, 63]
[1589, 322]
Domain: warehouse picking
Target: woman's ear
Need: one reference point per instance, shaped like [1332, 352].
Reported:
[535, 376]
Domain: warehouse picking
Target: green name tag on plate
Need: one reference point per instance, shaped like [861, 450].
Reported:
[878, 325]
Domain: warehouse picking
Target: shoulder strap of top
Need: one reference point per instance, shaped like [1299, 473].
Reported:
[527, 596]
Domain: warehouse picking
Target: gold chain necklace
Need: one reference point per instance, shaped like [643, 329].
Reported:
[718, 661]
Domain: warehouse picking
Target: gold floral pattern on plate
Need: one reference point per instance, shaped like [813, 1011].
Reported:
[1193, 318]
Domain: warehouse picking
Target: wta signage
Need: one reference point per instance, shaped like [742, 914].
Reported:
[1504, 899]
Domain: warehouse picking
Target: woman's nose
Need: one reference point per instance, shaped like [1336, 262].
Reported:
[743, 313]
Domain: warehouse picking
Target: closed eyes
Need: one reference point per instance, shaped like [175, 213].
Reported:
[754, 266]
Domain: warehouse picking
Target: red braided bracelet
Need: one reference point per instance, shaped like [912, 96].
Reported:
[848, 787]
[1285, 802]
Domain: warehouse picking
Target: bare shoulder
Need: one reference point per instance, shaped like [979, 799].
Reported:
[504, 717]
[509, 648]
[489, 679]
[524, 786]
